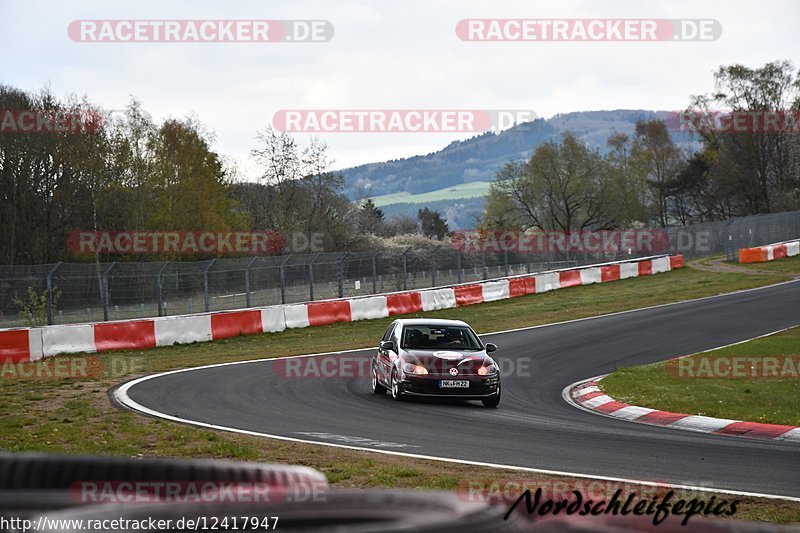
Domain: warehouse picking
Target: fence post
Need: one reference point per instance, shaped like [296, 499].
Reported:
[433, 270]
[311, 277]
[49, 284]
[405, 268]
[528, 265]
[104, 296]
[247, 282]
[205, 283]
[282, 270]
[375, 272]
[505, 259]
[340, 274]
[483, 266]
[160, 289]
[458, 265]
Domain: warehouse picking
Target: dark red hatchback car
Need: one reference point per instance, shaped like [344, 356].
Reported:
[427, 357]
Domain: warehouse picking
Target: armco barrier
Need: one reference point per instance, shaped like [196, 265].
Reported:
[369, 308]
[322, 313]
[404, 303]
[74, 338]
[235, 323]
[34, 343]
[436, 299]
[21, 344]
[570, 278]
[468, 295]
[770, 252]
[182, 329]
[548, 281]
[137, 335]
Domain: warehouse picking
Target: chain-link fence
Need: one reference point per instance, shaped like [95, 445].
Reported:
[65, 293]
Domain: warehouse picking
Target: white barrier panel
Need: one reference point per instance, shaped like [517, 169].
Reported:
[296, 316]
[793, 248]
[182, 329]
[67, 339]
[660, 265]
[438, 299]
[495, 290]
[367, 308]
[35, 351]
[547, 282]
[770, 253]
[628, 270]
[272, 319]
[591, 275]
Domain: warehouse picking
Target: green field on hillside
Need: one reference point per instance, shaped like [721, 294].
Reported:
[475, 189]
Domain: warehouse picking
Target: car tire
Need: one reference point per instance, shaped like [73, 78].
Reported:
[377, 388]
[492, 401]
[397, 394]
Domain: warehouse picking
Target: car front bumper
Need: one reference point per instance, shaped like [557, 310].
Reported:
[479, 386]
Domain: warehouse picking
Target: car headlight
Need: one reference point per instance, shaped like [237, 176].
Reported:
[488, 369]
[410, 368]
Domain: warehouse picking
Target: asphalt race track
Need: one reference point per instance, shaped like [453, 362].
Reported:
[533, 427]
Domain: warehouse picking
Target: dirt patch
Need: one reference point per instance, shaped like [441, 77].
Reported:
[720, 264]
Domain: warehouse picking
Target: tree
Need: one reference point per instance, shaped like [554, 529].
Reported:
[564, 186]
[369, 218]
[432, 224]
[655, 151]
[401, 225]
[759, 168]
[300, 194]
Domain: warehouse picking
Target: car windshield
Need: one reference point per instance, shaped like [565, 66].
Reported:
[440, 337]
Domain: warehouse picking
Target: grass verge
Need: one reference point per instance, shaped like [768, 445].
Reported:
[705, 383]
[75, 415]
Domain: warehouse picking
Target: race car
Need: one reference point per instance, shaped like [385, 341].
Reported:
[427, 357]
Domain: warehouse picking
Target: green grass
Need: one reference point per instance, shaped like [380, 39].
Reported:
[664, 386]
[474, 189]
[75, 416]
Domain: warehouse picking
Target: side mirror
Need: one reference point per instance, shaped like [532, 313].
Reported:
[491, 347]
[387, 345]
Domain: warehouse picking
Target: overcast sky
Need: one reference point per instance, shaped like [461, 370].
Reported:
[393, 54]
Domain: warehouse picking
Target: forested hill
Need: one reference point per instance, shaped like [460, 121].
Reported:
[477, 158]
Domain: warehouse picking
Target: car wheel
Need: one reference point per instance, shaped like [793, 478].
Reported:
[395, 383]
[377, 388]
[492, 401]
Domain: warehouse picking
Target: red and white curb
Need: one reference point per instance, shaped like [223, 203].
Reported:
[587, 395]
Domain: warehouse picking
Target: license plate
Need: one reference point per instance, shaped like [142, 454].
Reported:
[453, 384]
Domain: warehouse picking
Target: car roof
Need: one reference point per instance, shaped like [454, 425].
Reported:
[430, 322]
